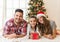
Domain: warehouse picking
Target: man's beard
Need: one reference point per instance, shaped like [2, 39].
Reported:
[17, 23]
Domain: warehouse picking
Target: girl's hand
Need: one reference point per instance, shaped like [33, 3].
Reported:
[30, 36]
[34, 36]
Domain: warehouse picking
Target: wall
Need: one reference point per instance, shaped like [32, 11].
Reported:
[53, 10]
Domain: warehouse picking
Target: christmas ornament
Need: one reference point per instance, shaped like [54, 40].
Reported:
[35, 7]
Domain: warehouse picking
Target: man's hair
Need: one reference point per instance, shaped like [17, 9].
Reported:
[19, 10]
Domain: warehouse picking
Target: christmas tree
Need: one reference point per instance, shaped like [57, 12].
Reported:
[36, 6]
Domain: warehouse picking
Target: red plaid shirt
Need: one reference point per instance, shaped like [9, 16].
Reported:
[10, 27]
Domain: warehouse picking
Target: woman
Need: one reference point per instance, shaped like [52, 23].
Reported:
[46, 27]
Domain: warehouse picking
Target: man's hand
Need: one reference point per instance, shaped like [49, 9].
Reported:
[13, 36]
[20, 36]
[10, 36]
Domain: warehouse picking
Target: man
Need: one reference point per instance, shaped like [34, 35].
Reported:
[15, 27]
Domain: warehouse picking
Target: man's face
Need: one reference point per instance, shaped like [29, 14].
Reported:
[18, 17]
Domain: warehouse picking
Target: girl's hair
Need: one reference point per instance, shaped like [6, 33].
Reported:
[36, 21]
[33, 17]
[45, 27]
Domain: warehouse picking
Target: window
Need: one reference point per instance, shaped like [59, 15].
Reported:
[7, 8]
[1, 13]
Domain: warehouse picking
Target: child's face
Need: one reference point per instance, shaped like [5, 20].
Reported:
[33, 22]
[40, 19]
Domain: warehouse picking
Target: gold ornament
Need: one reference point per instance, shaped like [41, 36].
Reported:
[31, 2]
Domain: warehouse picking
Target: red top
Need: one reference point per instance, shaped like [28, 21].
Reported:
[10, 27]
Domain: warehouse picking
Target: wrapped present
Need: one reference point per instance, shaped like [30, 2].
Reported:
[35, 35]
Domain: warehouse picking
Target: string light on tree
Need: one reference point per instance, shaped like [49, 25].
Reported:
[36, 6]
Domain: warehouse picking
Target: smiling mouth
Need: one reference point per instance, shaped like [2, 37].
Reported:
[17, 19]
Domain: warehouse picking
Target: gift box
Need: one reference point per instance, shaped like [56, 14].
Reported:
[35, 35]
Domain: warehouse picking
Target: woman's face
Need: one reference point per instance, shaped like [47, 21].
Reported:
[33, 22]
[40, 19]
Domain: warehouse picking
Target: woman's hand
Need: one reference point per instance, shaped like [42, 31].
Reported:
[49, 36]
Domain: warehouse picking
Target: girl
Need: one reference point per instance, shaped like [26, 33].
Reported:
[33, 31]
[47, 27]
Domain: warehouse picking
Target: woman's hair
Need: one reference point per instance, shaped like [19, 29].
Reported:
[45, 27]
[36, 21]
